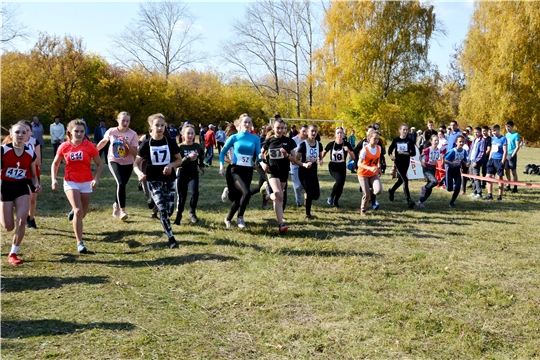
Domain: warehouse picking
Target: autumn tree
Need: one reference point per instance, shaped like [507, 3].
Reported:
[500, 59]
[161, 40]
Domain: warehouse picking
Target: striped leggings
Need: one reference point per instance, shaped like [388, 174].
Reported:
[162, 193]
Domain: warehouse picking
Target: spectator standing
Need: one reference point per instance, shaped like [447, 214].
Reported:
[514, 144]
[57, 132]
[293, 131]
[99, 133]
[220, 138]
[37, 131]
[202, 132]
[428, 133]
[412, 134]
[209, 143]
[174, 132]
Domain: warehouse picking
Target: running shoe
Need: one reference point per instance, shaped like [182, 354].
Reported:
[452, 205]
[154, 216]
[172, 242]
[489, 197]
[478, 196]
[376, 205]
[81, 248]
[264, 201]
[507, 188]
[514, 190]
[262, 190]
[336, 204]
[178, 219]
[194, 218]
[420, 204]
[410, 204]
[309, 217]
[33, 224]
[391, 195]
[463, 193]
[240, 222]
[227, 223]
[71, 215]
[362, 213]
[423, 191]
[499, 198]
[225, 194]
[123, 215]
[330, 201]
[283, 227]
[28, 222]
[115, 210]
[14, 259]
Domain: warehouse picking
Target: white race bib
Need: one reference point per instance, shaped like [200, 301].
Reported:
[494, 148]
[338, 156]
[16, 173]
[402, 147]
[244, 160]
[275, 154]
[433, 157]
[160, 155]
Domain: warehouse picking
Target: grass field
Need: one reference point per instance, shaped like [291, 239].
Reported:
[434, 283]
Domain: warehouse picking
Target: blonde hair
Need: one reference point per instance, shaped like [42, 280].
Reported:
[239, 120]
[123, 113]
[9, 138]
[185, 127]
[154, 117]
[230, 129]
[72, 124]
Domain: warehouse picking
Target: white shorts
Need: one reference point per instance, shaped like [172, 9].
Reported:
[83, 188]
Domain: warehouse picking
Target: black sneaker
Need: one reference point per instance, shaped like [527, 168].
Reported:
[499, 198]
[309, 217]
[391, 195]
[489, 197]
[151, 203]
[507, 188]
[28, 222]
[514, 190]
[154, 215]
[336, 204]
[178, 219]
[33, 224]
[452, 205]
[172, 242]
[193, 218]
[71, 215]
[410, 204]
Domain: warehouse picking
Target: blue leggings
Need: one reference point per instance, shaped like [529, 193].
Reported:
[453, 181]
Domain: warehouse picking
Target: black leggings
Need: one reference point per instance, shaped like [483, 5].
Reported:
[453, 181]
[241, 176]
[339, 173]
[262, 179]
[121, 174]
[187, 178]
[402, 165]
[310, 182]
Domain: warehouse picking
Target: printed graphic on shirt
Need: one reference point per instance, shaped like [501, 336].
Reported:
[119, 147]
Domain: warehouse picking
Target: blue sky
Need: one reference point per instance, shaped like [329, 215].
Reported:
[96, 21]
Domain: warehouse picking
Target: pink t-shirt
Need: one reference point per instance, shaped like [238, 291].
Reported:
[118, 152]
[78, 159]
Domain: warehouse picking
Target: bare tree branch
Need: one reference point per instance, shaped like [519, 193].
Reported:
[12, 30]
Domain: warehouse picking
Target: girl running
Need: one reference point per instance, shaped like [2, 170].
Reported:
[337, 166]
[280, 151]
[369, 168]
[188, 174]
[79, 182]
[17, 161]
[120, 158]
[310, 154]
[162, 156]
[454, 159]
[432, 156]
[404, 148]
[35, 146]
[247, 148]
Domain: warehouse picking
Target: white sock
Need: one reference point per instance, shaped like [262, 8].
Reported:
[14, 249]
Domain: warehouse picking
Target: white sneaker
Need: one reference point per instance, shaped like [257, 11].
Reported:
[225, 194]
[123, 215]
[227, 223]
[116, 210]
[240, 222]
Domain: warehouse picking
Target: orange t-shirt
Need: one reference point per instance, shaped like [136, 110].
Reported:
[369, 159]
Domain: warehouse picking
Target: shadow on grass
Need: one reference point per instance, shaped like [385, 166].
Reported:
[14, 329]
[165, 261]
[47, 282]
[295, 252]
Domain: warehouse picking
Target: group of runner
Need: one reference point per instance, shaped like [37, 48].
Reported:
[165, 168]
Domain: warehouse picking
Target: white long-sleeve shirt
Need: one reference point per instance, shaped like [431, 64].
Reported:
[57, 132]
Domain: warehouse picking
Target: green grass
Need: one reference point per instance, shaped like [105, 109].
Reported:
[425, 283]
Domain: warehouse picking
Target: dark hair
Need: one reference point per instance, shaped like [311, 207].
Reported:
[485, 127]
[277, 116]
[478, 128]
[510, 122]
[460, 136]
[496, 127]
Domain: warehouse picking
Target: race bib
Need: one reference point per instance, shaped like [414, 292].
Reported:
[495, 148]
[275, 154]
[16, 173]
[402, 147]
[160, 155]
[433, 157]
[313, 154]
[244, 160]
[76, 156]
[338, 156]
